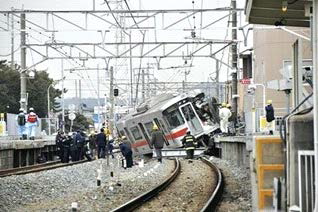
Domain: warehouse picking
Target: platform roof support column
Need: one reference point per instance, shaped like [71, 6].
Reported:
[315, 83]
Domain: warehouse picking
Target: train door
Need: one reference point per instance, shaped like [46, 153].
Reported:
[192, 119]
[143, 130]
[162, 128]
[130, 138]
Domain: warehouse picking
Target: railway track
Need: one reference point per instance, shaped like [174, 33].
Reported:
[37, 168]
[167, 192]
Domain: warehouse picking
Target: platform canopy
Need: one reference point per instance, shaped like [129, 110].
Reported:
[270, 12]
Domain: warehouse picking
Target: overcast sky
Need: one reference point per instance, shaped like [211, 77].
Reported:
[201, 71]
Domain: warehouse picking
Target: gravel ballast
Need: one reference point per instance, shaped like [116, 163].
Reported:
[56, 190]
[237, 191]
[188, 192]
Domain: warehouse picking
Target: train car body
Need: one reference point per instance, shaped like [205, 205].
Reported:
[173, 114]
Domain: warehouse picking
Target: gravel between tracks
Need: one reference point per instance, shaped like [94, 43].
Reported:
[237, 192]
[55, 190]
[189, 192]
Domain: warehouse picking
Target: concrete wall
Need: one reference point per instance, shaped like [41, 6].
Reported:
[18, 153]
[235, 149]
[6, 159]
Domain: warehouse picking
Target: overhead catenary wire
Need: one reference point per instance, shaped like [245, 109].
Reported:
[134, 18]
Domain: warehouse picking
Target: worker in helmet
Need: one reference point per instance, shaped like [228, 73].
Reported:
[157, 141]
[21, 124]
[189, 142]
[32, 123]
[270, 116]
[224, 114]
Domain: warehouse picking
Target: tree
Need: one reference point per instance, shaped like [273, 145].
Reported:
[9, 89]
[36, 88]
[80, 122]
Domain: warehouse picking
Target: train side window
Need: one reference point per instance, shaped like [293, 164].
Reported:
[149, 126]
[173, 117]
[130, 138]
[143, 130]
[136, 133]
[129, 135]
[121, 132]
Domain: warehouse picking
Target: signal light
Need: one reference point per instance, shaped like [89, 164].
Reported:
[115, 92]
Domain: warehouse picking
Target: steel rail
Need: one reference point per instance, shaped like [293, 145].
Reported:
[216, 196]
[138, 201]
[37, 168]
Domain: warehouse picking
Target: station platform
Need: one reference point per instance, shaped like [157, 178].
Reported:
[18, 153]
[262, 156]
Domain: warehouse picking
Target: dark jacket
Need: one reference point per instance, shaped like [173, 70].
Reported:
[189, 142]
[58, 140]
[92, 141]
[101, 139]
[67, 142]
[79, 140]
[157, 139]
[269, 113]
[125, 149]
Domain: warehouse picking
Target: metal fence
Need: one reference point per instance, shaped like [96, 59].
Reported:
[306, 172]
[46, 126]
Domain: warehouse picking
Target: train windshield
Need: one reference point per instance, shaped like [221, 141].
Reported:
[173, 117]
[192, 119]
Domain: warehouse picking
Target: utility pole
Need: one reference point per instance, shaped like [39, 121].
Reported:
[76, 95]
[131, 72]
[217, 79]
[79, 95]
[148, 81]
[234, 61]
[63, 103]
[111, 96]
[98, 101]
[12, 42]
[143, 85]
[23, 75]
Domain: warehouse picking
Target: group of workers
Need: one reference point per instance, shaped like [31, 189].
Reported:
[158, 140]
[27, 124]
[77, 145]
[225, 114]
[73, 145]
[98, 145]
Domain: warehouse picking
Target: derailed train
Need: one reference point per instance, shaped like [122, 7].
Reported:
[174, 114]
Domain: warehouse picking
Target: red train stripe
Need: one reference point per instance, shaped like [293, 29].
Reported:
[177, 134]
[169, 137]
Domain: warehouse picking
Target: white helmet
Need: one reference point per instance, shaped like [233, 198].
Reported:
[31, 109]
[21, 110]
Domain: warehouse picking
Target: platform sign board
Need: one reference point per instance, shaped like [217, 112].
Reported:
[245, 81]
[72, 116]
